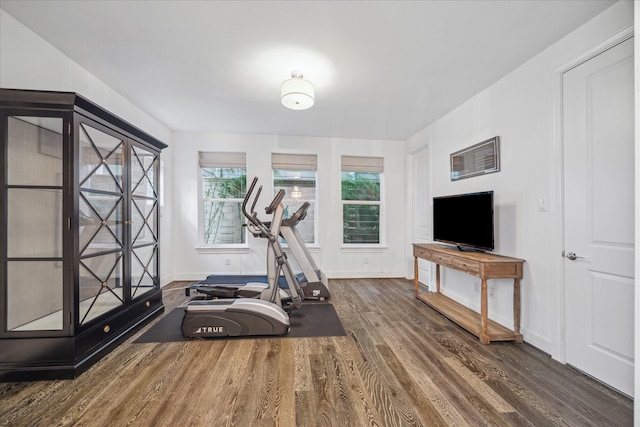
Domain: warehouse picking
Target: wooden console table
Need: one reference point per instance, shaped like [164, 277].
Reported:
[483, 265]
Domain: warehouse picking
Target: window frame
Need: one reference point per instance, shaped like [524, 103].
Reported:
[312, 202]
[303, 163]
[226, 163]
[361, 164]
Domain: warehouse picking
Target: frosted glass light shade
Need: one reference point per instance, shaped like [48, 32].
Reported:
[297, 93]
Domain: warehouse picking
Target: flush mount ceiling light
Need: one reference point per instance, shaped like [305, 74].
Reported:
[297, 93]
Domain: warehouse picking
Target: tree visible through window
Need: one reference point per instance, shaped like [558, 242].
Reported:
[223, 184]
[361, 207]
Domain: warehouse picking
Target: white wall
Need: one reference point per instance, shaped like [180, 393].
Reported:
[520, 109]
[335, 261]
[27, 61]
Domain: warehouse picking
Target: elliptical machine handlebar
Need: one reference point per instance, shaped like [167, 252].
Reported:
[255, 201]
[255, 225]
[275, 202]
[246, 200]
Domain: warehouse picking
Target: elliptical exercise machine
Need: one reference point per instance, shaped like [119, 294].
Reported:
[310, 280]
[314, 286]
[206, 318]
[255, 286]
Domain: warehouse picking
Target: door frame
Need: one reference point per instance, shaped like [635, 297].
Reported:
[412, 191]
[558, 332]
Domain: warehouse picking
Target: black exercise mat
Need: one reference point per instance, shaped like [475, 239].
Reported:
[312, 320]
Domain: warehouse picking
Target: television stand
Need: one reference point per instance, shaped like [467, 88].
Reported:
[483, 265]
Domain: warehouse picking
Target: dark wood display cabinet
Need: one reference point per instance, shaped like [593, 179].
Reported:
[79, 222]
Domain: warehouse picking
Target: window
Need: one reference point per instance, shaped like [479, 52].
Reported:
[223, 184]
[361, 195]
[296, 174]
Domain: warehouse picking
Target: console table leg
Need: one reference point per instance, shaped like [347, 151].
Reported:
[484, 336]
[516, 309]
[416, 283]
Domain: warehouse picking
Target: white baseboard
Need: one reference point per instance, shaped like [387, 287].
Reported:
[536, 340]
[165, 280]
[366, 275]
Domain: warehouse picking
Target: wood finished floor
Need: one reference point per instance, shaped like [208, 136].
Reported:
[401, 364]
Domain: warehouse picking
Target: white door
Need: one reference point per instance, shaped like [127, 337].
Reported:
[421, 208]
[598, 115]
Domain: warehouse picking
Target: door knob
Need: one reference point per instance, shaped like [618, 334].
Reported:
[572, 256]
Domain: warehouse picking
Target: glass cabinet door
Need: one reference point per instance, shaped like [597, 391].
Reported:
[34, 200]
[101, 219]
[144, 216]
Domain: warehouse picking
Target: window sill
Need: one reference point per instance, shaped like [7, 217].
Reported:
[223, 249]
[363, 247]
[310, 248]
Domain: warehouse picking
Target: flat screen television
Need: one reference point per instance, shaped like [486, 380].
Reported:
[464, 220]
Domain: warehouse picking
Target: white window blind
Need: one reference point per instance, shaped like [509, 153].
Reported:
[296, 162]
[362, 164]
[222, 160]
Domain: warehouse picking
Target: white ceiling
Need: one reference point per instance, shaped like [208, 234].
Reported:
[381, 69]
